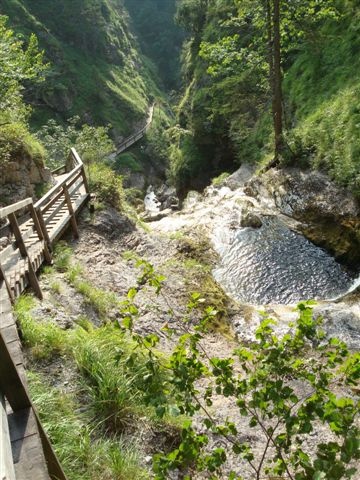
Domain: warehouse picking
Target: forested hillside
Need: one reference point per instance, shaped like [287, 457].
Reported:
[96, 68]
[160, 37]
[101, 69]
[225, 113]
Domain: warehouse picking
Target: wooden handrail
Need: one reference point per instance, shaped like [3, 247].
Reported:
[58, 169]
[58, 186]
[48, 196]
[31, 236]
[5, 211]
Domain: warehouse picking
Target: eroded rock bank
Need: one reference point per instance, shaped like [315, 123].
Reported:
[21, 177]
[329, 216]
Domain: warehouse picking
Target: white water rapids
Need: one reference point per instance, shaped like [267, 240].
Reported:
[267, 265]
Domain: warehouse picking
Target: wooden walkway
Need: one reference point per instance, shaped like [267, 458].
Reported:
[32, 230]
[129, 141]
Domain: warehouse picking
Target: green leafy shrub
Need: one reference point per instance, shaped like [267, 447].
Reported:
[128, 161]
[285, 387]
[92, 143]
[106, 184]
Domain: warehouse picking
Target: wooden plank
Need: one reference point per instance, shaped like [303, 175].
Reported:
[57, 230]
[27, 432]
[30, 462]
[14, 349]
[22, 424]
[50, 214]
[74, 180]
[7, 471]
[10, 333]
[6, 319]
[5, 211]
[57, 199]
[58, 169]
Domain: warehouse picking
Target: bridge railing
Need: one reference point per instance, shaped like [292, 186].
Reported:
[23, 231]
[60, 197]
[136, 136]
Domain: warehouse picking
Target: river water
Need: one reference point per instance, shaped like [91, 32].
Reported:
[268, 265]
[273, 264]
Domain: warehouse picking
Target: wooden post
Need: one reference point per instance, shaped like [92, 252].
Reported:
[17, 233]
[7, 284]
[40, 233]
[71, 211]
[43, 226]
[86, 183]
[23, 250]
[10, 381]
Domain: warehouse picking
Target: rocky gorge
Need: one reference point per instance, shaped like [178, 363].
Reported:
[235, 243]
[279, 239]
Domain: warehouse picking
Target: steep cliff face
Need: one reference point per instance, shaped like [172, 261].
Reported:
[97, 70]
[22, 177]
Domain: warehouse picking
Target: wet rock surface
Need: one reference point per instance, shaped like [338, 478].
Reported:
[330, 216]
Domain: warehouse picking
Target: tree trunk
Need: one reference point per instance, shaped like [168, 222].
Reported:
[277, 83]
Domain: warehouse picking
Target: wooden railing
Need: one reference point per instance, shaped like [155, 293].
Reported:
[31, 230]
[125, 144]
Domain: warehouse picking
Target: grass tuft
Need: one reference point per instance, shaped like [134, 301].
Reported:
[44, 338]
[83, 455]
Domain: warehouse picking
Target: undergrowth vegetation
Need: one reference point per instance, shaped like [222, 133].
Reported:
[106, 185]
